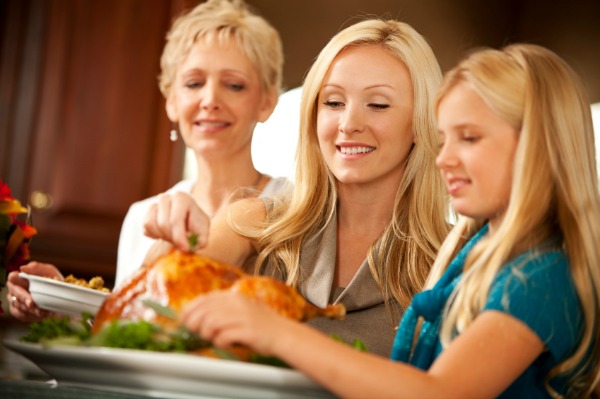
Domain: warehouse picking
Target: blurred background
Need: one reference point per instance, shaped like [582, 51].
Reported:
[83, 131]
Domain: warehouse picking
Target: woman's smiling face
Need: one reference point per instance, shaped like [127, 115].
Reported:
[217, 99]
[477, 155]
[364, 116]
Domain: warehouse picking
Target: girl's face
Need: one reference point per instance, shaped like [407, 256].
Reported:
[476, 157]
[364, 116]
[217, 99]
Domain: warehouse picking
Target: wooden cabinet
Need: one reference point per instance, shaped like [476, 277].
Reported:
[83, 131]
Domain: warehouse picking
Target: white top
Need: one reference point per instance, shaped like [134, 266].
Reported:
[134, 245]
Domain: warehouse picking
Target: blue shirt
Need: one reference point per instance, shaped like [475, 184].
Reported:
[538, 290]
[535, 287]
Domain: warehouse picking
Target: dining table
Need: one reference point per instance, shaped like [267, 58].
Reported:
[99, 372]
[29, 389]
[22, 379]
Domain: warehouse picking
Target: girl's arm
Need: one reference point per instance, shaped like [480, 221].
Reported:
[481, 363]
[175, 217]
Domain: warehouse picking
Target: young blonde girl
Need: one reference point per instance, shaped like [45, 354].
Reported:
[512, 304]
[553, 204]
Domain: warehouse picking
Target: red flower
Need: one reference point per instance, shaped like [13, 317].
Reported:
[28, 231]
[5, 192]
[15, 235]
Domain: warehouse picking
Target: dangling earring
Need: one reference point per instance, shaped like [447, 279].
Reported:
[173, 134]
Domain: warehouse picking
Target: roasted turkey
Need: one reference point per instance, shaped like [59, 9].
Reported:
[178, 277]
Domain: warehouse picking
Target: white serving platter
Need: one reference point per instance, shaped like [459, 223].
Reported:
[171, 375]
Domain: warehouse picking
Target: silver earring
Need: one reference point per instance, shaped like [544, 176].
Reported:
[173, 135]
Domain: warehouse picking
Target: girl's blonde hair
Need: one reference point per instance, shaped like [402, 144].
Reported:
[401, 258]
[554, 190]
[221, 20]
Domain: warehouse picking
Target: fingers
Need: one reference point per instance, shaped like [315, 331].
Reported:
[156, 222]
[41, 269]
[198, 223]
[226, 318]
[174, 218]
[21, 305]
[19, 287]
[150, 227]
[211, 314]
[181, 210]
[26, 313]
[195, 313]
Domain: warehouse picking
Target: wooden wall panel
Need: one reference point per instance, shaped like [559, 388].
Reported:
[572, 29]
[83, 122]
[89, 132]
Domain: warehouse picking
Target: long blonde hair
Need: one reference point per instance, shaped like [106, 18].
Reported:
[554, 190]
[401, 258]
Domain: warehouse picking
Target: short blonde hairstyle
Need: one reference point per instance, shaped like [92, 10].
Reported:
[221, 20]
[554, 190]
[401, 258]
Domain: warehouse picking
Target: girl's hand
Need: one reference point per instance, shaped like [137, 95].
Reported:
[21, 305]
[176, 217]
[226, 318]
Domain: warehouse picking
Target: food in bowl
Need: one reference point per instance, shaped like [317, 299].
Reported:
[63, 297]
[95, 283]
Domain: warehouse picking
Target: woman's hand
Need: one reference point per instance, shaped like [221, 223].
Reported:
[174, 218]
[21, 305]
[226, 318]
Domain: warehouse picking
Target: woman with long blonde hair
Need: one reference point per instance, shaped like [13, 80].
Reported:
[511, 307]
[368, 211]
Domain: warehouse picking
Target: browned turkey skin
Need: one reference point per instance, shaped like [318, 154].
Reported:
[178, 277]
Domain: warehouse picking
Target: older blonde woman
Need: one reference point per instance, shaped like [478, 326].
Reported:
[221, 72]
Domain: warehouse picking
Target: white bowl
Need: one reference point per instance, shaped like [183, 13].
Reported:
[58, 296]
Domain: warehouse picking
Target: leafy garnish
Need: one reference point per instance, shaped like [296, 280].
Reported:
[140, 335]
[56, 327]
[118, 334]
[225, 354]
[146, 336]
[160, 309]
[359, 345]
[193, 241]
[356, 344]
[268, 360]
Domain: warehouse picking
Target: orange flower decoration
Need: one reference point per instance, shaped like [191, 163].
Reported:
[15, 235]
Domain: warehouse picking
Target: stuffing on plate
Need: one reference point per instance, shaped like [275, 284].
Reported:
[96, 283]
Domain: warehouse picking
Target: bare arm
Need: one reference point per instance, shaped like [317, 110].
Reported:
[480, 363]
[175, 217]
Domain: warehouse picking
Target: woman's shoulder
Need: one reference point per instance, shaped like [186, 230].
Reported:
[277, 186]
[246, 211]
